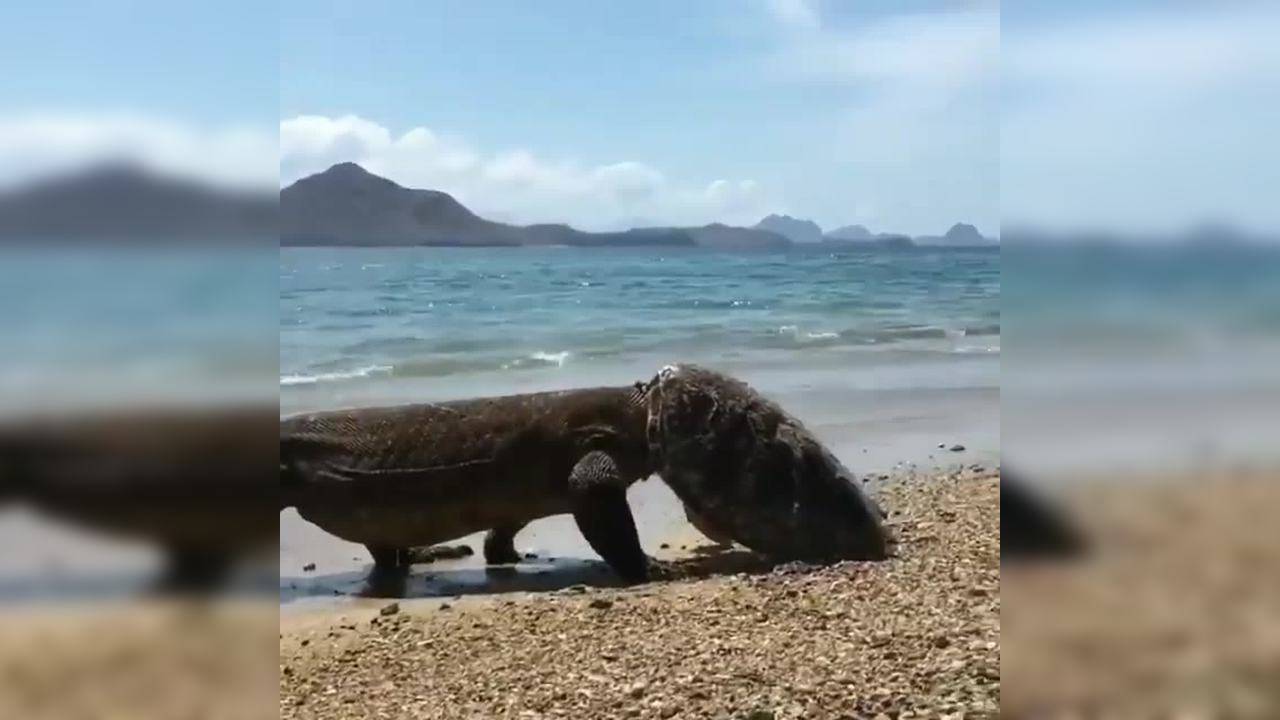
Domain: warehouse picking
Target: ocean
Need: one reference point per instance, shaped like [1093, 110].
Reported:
[1141, 359]
[376, 325]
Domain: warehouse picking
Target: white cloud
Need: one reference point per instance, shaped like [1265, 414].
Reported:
[731, 195]
[930, 52]
[34, 145]
[629, 182]
[516, 185]
[923, 85]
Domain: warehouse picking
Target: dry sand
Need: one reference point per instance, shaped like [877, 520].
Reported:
[917, 636]
[138, 659]
[1175, 613]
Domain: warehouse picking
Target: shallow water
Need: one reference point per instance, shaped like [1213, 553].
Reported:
[458, 322]
[1139, 359]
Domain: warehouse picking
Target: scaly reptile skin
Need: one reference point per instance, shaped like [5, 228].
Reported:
[414, 475]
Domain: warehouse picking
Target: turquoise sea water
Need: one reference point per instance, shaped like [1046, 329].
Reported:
[355, 322]
[1129, 360]
[112, 326]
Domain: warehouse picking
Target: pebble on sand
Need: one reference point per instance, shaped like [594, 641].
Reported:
[799, 642]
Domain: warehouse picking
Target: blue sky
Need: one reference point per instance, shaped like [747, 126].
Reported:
[192, 62]
[903, 116]
[184, 88]
[824, 110]
[1141, 117]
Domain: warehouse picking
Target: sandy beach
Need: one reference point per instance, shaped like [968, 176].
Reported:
[1171, 614]
[876, 434]
[725, 635]
[143, 658]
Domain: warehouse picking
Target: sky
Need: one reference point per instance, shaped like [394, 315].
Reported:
[901, 115]
[608, 115]
[1140, 117]
[194, 62]
[188, 88]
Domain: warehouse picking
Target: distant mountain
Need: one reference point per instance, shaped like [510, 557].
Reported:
[126, 202]
[794, 229]
[727, 237]
[348, 205]
[964, 234]
[850, 232]
[960, 235]
[860, 236]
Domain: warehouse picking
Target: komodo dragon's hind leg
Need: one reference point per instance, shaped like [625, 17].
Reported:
[500, 545]
[193, 570]
[387, 559]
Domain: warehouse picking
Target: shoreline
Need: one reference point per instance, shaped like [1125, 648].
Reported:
[877, 437]
[560, 557]
[919, 632]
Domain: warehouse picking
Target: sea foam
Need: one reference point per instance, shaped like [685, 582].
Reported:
[367, 371]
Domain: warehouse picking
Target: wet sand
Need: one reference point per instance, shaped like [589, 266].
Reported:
[726, 636]
[875, 434]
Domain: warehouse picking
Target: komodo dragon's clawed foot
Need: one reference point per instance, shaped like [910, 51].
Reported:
[388, 559]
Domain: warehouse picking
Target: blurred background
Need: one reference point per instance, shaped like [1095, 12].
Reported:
[138, 290]
[138, 387]
[1140, 391]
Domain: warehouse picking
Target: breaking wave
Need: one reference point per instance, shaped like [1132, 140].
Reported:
[364, 372]
[431, 367]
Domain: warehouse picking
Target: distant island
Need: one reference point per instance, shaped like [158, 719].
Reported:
[960, 235]
[121, 201]
[808, 232]
[348, 205]
[860, 236]
[794, 229]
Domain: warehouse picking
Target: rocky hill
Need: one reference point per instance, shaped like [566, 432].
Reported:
[348, 205]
